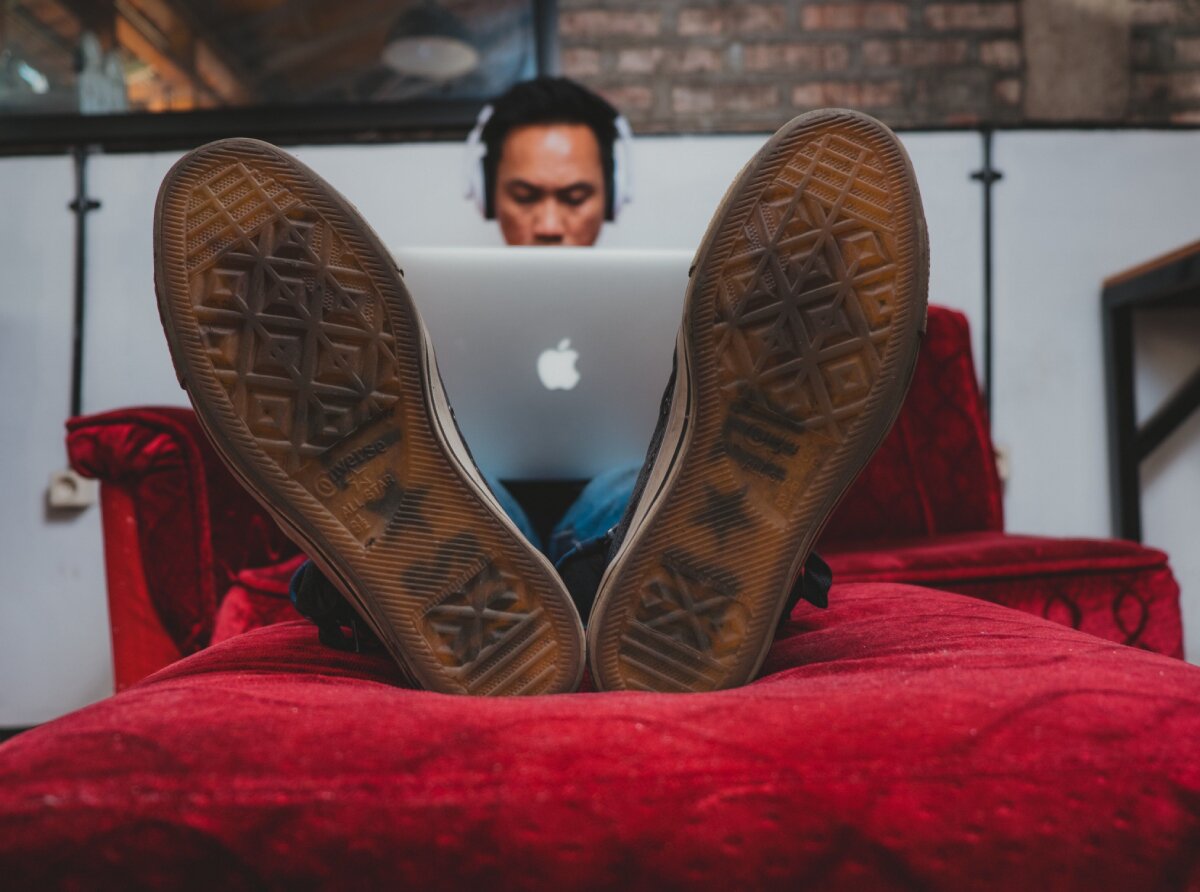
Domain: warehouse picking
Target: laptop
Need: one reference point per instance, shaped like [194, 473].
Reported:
[554, 359]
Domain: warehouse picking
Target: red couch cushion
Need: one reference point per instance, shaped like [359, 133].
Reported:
[904, 738]
[1118, 590]
[259, 597]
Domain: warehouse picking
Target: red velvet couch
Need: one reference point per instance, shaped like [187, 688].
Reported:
[180, 532]
[905, 738]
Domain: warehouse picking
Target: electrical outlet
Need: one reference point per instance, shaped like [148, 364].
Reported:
[1003, 464]
[69, 491]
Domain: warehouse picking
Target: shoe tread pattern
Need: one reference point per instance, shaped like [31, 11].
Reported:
[292, 324]
[300, 350]
[802, 325]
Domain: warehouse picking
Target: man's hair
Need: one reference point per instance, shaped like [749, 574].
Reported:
[548, 100]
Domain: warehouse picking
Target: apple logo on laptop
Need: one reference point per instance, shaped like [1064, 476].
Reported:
[556, 366]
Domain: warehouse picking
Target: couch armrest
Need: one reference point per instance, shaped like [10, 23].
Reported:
[195, 526]
[1119, 591]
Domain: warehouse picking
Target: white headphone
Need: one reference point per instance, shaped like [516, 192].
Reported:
[476, 150]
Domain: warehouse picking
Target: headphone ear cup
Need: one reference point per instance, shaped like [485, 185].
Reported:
[617, 186]
[622, 166]
[479, 189]
[475, 151]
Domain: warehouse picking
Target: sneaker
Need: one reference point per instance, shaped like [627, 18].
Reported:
[294, 335]
[800, 331]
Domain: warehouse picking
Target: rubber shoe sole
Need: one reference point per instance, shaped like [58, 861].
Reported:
[309, 369]
[801, 327]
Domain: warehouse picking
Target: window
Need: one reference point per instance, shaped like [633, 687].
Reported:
[293, 65]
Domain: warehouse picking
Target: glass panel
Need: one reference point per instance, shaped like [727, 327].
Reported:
[106, 56]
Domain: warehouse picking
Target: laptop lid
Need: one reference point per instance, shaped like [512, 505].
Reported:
[554, 359]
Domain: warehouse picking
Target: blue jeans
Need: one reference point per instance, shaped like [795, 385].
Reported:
[598, 508]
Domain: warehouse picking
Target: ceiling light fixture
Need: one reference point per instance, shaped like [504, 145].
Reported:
[430, 42]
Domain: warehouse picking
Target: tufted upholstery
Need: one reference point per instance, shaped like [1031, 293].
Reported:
[1120, 591]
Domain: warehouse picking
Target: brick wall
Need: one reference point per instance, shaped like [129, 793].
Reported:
[1165, 58]
[702, 65]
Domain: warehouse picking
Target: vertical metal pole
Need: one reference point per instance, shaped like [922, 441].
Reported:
[545, 35]
[987, 176]
[987, 271]
[81, 205]
[1123, 456]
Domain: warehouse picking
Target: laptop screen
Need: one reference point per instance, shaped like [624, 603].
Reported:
[555, 359]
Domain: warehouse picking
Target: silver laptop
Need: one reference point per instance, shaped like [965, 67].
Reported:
[554, 359]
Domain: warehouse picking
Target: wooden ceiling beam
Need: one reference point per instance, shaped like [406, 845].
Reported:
[26, 19]
[168, 69]
[60, 20]
[220, 65]
[369, 18]
[55, 32]
[284, 12]
[97, 16]
[186, 66]
[178, 56]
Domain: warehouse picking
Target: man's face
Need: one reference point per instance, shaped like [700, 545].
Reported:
[550, 185]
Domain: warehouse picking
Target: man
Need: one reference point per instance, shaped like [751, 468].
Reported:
[549, 161]
[309, 368]
[544, 159]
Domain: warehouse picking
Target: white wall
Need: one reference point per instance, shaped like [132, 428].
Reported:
[54, 646]
[411, 194]
[1072, 208]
